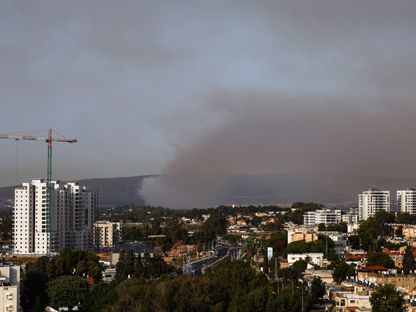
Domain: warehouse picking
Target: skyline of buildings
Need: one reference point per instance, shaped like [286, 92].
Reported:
[369, 203]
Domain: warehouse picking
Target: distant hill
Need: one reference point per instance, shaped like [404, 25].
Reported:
[112, 191]
[239, 189]
[6, 197]
[116, 191]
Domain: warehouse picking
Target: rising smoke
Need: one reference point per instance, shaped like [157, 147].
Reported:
[330, 140]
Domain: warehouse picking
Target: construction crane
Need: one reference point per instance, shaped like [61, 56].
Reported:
[49, 141]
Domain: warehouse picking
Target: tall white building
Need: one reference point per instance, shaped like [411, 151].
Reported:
[406, 201]
[372, 201]
[324, 216]
[70, 223]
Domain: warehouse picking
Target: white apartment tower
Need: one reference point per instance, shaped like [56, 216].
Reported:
[71, 221]
[406, 201]
[372, 201]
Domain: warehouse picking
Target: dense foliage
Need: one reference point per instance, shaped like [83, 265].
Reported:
[385, 298]
[342, 270]
[229, 286]
[42, 280]
[408, 261]
[374, 228]
[132, 265]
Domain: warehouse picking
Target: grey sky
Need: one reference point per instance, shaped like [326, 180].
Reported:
[161, 86]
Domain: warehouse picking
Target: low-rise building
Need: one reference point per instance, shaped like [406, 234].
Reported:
[409, 231]
[324, 275]
[303, 233]
[352, 216]
[352, 227]
[9, 288]
[406, 283]
[322, 216]
[312, 258]
[107, 234]
[339, 239]
[351, 297]
[350, 302]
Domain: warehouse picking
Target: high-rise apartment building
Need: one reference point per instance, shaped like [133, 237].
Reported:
[322, 216]
[372, 201]
[406, 201]
[70, 223]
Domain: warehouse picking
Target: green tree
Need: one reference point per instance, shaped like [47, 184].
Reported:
[265, 262]
[385, 298]
[354, 241]
[66, 291]
[317, 290]
[408, 261]
[278, 241]
[374, 228]
[321, 227]
[125, 265]
[299, 267]
[399, 231]
[290, 299]
[320, 245]
[33, 291]
[405, 218]
[341, 270]
[380, 258]
[338, 227]
[101, 296]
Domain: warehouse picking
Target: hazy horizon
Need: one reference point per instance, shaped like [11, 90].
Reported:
[320, 88]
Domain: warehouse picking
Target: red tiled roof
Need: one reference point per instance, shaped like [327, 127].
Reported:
[354, 257]
[90, 281]
[393, 252]
[376, 268]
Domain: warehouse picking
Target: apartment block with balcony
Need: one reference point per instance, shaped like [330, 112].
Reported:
[322, 216]
[406, 201]
[372, 201]
[68, 223]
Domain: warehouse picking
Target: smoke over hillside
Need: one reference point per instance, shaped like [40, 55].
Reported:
[329, 140]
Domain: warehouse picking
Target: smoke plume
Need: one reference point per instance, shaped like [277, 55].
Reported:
[330, 140]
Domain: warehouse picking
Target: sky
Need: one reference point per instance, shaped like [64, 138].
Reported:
[318, 87]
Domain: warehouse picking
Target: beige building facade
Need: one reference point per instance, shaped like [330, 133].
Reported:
[107, 234]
